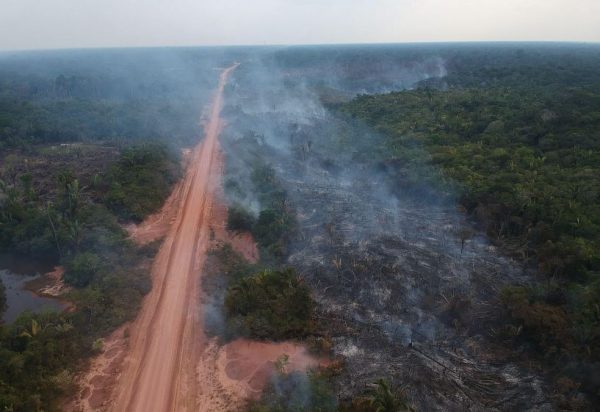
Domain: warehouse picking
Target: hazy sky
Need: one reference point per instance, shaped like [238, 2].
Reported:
[38, 24]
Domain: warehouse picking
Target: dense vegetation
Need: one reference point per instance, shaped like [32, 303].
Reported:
[296, 392]
[239, 219]
[232, 265]
[379, 397]
[142, 180]
[69, 221]
[511, 129]
[276, 222]
[40, 218]
[524, 159]
[273, 304]
[104, 95]
[25, 122]
[70, 170]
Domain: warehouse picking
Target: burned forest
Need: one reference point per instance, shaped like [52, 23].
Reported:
[398, 227]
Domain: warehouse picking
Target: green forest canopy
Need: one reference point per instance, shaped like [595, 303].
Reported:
[524, 159]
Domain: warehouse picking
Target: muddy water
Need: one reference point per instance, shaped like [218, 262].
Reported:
[15, 273]
[24, 265]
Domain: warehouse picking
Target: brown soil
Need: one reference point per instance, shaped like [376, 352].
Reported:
[166, 339]
[85, 160]
[97, 384]
[163, 361]
[241, 242]
[248, 365]
[53, 284]
[157, 225]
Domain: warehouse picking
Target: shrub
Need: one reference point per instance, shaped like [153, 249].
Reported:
[239, 219]
[549, 326]
[232, 264]
[296, 392]
[270, 305]
[276, 221]
[379, 398]
[142, 180]
[82, 269]
[273, 229]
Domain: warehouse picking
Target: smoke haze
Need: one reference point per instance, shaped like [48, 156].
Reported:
[31, 24]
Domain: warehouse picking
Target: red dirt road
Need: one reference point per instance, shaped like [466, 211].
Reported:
[166, 339]
[163, 361]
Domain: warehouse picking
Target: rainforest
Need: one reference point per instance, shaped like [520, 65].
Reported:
[386, 227]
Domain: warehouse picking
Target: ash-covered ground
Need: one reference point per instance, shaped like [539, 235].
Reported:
[407, 288]
[402, 300]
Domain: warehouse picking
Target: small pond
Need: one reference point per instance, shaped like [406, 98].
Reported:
[15, 273]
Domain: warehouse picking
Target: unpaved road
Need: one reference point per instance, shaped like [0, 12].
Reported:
[166, 340]
[165, 362]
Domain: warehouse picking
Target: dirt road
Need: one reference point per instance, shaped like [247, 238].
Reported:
[166, 339]
[163, 361]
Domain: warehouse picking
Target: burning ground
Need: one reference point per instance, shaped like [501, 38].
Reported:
[408, 288]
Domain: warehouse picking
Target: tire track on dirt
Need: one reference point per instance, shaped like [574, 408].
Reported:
[167, 337]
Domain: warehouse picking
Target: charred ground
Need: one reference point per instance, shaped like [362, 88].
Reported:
[408, 279]
[410, 286]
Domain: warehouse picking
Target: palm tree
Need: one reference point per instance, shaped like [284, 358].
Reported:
[71, 193]
[33, 330]
[383, 399]
[63, 327]
[74, 192]
[53, 227]
[281, 363]
[75, 233]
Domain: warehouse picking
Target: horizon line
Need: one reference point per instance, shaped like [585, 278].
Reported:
[274, 45]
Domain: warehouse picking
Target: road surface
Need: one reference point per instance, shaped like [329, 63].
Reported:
[159, 373]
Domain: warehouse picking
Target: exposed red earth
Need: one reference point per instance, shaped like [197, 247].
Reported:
[159, 374]
[163, 361]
